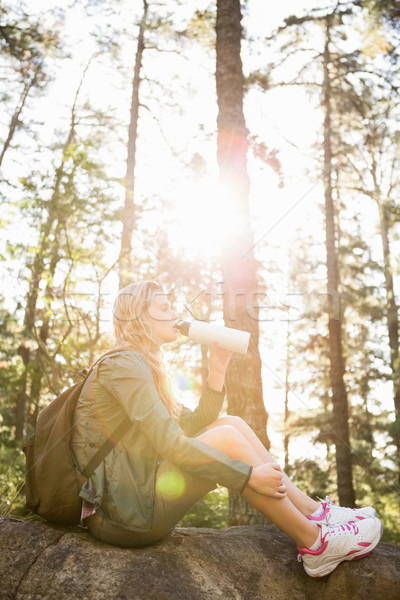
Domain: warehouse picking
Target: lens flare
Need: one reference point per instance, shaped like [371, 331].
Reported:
[170, 485]
[185, 382]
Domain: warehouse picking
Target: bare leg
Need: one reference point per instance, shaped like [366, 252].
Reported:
[302, 502]
[282, 512]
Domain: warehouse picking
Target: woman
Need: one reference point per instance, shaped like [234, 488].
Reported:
[170, 456]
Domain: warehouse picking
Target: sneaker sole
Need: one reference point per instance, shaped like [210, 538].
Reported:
[328, 568]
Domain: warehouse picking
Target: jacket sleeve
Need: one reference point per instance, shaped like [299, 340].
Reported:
[206, 412]
[129, 379]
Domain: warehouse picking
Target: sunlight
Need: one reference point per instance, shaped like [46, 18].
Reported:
[203, 218]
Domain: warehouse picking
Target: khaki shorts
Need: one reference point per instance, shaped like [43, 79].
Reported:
[176, 491]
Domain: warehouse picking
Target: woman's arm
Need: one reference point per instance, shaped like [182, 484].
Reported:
[217, 365]
[130, 381]
[208, 409]
[211, 400]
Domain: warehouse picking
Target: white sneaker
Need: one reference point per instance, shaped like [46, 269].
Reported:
[333, 514]
[348, 541]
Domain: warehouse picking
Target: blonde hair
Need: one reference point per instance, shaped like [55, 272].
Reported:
[132, 330]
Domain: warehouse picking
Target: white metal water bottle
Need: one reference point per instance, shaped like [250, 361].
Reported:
[226, 337]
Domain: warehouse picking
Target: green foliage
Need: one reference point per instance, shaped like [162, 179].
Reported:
[210, 511]
[387, 10]
[12, 478]
[388, 510]
[201, 26]
[22, 37]
[10, 376]
[311, 477]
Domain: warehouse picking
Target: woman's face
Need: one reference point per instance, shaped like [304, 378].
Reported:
[162, 318]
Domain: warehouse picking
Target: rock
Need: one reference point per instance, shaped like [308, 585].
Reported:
[39, 561]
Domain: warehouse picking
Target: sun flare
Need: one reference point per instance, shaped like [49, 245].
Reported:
[204, 219]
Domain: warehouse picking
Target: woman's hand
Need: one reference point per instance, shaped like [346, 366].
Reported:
[218, 362]
[218, 359]
[267, 479]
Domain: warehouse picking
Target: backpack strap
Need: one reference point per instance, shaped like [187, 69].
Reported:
[116, 435]
[86, 372]
[106, 448]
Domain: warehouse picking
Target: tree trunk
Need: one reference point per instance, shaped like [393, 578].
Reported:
[245, 396]
[337, 369]
[128, 212]
[40, 358]
[392, 315]
[287, 390]
[38, 269]
[15, 118]
[22, 397]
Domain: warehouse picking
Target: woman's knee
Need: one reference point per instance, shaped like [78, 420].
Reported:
[232, 421]
[223, 437]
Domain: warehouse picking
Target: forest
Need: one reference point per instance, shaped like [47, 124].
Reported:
[246, 155]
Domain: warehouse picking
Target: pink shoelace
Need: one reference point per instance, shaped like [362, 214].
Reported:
[337, 529]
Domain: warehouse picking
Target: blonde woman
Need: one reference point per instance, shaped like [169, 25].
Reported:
[170, 456]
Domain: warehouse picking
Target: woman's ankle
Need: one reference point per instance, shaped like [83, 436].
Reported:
[317, 544]
[311, 538]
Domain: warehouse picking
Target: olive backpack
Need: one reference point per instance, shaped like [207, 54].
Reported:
[52, 480]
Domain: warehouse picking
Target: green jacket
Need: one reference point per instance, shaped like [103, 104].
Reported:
[122, 487]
